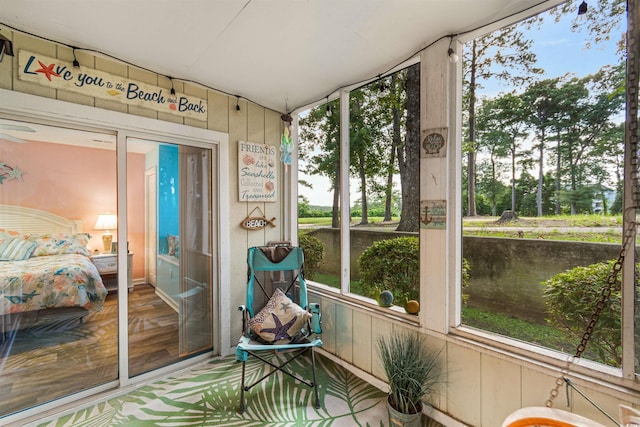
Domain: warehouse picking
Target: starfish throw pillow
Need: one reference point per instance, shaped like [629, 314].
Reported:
[280, 320]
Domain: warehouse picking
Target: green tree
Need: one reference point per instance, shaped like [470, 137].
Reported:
[319, 148]
[585, 139]
[503, 55]
[304, 210]
[604, 19]
[493, 141]
[368, 141]
[611, 146]
[526, 194]
[541, 100]
[396, 101]
[501, 125]
[408, 154]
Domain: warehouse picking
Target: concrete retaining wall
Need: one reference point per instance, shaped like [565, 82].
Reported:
[505, 273]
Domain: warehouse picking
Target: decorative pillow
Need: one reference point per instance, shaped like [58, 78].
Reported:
[280, 320]
[16, 249]
[9, 234]
[174, 244]
[58, 244]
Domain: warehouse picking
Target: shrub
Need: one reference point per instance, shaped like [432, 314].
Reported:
[571, 298]
[394, 265]
[313, 254]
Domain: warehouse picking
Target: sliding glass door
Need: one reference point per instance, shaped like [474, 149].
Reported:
[62, 285]
[170, 315]
[195, 267]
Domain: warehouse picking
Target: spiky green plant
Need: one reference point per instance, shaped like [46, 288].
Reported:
[413, 369]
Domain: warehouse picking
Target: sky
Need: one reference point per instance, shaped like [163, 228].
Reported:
[558, 49]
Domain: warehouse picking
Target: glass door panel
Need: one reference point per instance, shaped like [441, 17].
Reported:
[58, 311]
[195, 268]
[170, 229]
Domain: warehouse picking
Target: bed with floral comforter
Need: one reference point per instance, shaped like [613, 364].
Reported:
[68, 280]
[43, 271]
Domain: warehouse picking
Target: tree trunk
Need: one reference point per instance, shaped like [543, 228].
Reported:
[540, 178]
[572, 172]
[409, 161]
[508, 216]
[471, 155]
[364, 218]
[558, 175]
[513, 176]
[392, 157]
[335, 211]
[494, 202]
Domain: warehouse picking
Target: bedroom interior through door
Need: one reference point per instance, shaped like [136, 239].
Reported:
[55, 182]
[58, 320]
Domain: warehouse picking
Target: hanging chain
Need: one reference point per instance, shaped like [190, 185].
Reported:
[631, 150]
[605, 293]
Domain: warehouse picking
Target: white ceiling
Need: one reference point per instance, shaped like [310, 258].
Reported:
[282, 54]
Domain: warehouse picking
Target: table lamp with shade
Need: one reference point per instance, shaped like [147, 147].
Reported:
[106, 221]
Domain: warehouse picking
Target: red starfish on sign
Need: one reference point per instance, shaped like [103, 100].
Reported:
[47, 70]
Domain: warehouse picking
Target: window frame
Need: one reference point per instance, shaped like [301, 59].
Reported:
[344, 292]
[625, 375]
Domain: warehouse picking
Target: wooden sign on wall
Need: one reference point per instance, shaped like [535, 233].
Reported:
[256, 172]
[54, 73]
[256, 222]
[433, 214]
[434, 143]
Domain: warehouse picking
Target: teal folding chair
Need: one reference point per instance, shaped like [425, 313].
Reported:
[277, 315]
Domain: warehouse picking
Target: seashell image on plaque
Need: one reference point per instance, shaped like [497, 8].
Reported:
[434, 144]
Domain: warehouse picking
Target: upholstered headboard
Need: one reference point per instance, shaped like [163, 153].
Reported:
[28, 220]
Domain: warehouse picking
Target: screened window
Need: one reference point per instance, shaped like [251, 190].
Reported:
[383, 189]
[543, 179]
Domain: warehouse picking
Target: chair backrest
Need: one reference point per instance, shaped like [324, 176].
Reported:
[272, 267]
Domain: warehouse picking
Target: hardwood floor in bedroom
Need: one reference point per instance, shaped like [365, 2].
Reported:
[47, 361]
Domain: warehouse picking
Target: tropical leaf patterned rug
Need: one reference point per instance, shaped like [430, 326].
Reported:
[209, 396]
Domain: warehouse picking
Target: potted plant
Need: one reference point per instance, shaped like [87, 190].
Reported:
[413, 370]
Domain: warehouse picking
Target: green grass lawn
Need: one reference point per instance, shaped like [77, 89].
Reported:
[588, 220]
[554, 227]
[549, 221]
[609, 236]
[326, 222]
[334, 282]
[523, 330]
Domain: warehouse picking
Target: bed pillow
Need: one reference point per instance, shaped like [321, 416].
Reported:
[8, 234]
[59, 244]
[16, 249]
[174, 245]
[280, 320]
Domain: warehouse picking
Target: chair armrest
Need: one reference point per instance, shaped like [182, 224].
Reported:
[245, 318]
[316, 318]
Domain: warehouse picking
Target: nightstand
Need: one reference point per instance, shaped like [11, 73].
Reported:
[107, 265]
